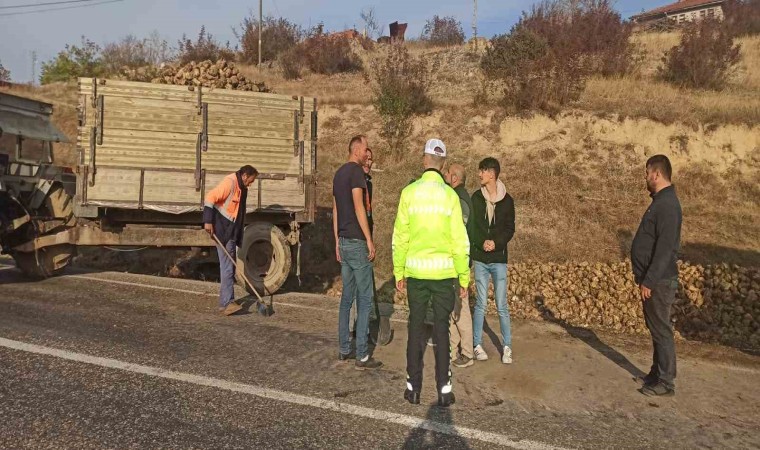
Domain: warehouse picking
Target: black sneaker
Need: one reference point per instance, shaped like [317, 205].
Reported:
[412, 397]
[384, 337]
[446, 400]
[346, 357]
[658, 389]
[369, 363]
[647, 379]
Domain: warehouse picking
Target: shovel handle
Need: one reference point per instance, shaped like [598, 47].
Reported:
[232, 260]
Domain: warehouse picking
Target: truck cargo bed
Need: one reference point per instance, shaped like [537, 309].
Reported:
[162, 147]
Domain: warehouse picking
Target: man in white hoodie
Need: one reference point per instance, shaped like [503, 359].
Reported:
[490, 228]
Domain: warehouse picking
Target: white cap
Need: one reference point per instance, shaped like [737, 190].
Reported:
[435, 147]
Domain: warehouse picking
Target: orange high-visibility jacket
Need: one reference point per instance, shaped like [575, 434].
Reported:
[225, 197]
[222, 208]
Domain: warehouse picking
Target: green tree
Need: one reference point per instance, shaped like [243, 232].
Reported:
[74, 61]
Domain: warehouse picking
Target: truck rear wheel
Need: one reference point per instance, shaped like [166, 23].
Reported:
[266, 257]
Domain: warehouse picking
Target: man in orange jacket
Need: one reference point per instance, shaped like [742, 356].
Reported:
[224, 217]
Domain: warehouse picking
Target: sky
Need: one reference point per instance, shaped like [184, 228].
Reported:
[47, 33]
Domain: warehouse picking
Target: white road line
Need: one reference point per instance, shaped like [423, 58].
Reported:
[187, 291]
[283, 396]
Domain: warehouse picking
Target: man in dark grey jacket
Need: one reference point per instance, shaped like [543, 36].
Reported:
[653, 256]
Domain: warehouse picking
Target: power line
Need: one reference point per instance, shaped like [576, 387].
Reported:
[34, 5]
[57, 9]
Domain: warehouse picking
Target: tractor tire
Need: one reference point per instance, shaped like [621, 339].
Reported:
[60, 205]
[50, 261]
[265, 257]
[46, 262]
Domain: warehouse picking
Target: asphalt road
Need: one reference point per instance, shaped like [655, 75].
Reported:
[107, 360]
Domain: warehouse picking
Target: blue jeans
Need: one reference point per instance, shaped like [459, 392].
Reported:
[226, 274]
[483, 272]
[356, 272]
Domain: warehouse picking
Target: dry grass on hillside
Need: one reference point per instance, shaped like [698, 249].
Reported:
[656, 100]
[645, 96]
[578, 197]
[456, 79]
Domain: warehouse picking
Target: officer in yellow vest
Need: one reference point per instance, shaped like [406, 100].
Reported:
[431, 254]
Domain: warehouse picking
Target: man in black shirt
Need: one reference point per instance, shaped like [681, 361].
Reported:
[380, 331]
[355, 251]
[654, 254]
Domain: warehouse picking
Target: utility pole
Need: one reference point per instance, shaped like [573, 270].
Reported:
[261, 21]
[475, 23]
[34, 67]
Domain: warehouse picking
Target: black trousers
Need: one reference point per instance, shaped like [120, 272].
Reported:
[657, 318]
[441, 295]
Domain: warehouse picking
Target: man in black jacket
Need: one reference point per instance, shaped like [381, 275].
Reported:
[654, 253]
[491, 227]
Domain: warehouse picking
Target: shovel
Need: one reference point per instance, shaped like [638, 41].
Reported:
[261, 306]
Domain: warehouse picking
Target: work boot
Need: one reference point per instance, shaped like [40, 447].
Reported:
[231, 309]
[412, 397]
[368, 363]
[463, 361]
[658, 389]
[346, 357]
[446, 400]
[384, 337]
[647, 379]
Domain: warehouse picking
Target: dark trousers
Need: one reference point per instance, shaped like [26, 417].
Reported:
[441, 294]
[657, 318]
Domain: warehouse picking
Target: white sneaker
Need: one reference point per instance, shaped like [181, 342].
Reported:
[506, 358]
[480, 354]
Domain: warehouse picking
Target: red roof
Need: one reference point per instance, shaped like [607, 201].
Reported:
[678, 6]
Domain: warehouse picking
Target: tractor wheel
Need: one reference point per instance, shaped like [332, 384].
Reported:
[60, 205]
[45, 262]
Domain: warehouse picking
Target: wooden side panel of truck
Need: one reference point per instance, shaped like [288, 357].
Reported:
[157, 147]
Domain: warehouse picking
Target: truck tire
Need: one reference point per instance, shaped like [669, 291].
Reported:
[266, 257]
[46, 262]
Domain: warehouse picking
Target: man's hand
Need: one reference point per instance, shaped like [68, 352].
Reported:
[337, 252]
[646, 293]
[401, 285]
[209, 227]
[371, 249]
[489, 246]
[462, 292]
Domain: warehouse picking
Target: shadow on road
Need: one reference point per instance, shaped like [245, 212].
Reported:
[590, 338]
[420, 438]
[492, 334]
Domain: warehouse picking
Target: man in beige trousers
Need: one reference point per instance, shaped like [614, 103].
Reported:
[460, 330]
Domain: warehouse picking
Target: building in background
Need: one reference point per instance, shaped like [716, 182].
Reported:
[681, 12]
